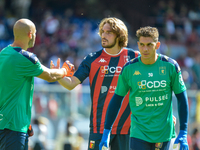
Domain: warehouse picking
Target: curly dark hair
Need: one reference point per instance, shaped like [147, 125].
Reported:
[118, 27]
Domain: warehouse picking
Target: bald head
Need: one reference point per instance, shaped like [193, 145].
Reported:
[24, 32]
[22, 28]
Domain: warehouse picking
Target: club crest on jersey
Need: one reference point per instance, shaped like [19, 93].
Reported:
[126, 59]
[158, 145]
[136, 73]
[92, 144]
[162, 70]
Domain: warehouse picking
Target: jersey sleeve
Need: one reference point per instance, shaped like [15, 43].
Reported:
[28, 65]
[122, 84]
[83, 70]
[178, 84]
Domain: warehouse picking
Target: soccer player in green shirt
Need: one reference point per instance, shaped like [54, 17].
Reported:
[17, 71]
[151, 78]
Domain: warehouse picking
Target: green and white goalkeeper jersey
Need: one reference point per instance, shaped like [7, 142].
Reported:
[17, 70]
[150, 97]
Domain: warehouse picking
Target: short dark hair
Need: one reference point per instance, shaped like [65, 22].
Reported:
[148, 32]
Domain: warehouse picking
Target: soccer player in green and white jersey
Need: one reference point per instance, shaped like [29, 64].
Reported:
[17, 71]
[151, 78]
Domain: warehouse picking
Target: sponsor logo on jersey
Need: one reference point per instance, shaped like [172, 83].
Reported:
[157, 99]
[162, 70]
[102, 60]
[107, 69]
[105, 89]
[92, 144]
[138, 101]
[151, 101]
[137, 73]
[151, 84]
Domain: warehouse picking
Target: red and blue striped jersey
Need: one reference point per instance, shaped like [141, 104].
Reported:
[103, 70]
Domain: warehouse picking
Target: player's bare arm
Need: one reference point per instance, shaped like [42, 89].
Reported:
[52, 75]
[67, 82]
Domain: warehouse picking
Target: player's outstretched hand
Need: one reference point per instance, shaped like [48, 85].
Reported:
[105, 139]
[52, 66]
[69, 67]
[182, 139]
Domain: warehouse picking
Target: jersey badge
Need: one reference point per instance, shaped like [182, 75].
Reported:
[162, 70]
[126, 59]
[92, 144]
[137, 73]
[158, 145]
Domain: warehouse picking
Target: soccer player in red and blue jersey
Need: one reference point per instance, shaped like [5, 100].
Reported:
[103, 68]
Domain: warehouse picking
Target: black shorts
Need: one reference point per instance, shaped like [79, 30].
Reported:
[138, 144]
[13, 140]
[117, 141]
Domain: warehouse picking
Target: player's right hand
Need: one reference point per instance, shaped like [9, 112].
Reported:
[105, 140]
[182, 139]
[69, 67]
[30, 131]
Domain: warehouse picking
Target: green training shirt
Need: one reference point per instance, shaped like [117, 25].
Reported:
[150, 97]
[17, 70]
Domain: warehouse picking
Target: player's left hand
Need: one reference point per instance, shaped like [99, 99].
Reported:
[30, 131]
[105, 139]
[182, 139]
[69, 67]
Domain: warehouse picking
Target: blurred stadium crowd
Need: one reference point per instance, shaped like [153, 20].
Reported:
[70, 34]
